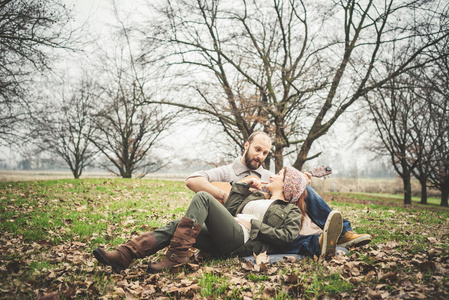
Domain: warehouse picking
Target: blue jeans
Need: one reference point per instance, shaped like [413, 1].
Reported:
[318, 211]
[304, 245]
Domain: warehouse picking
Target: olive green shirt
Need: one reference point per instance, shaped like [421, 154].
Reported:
[280, 225]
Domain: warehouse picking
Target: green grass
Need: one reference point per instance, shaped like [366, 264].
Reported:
[416, 200]
[382, 197]
[212, 285]
[257, 278]
[49, 229]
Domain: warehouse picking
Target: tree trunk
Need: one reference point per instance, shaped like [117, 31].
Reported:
[278, 159]
[302, 155]
[267, 163]
[423, 191]
[444, 197]
[127, 173]
[407, 189]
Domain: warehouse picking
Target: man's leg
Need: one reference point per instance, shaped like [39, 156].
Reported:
[324, 244]
[318, 211]
[304, 245]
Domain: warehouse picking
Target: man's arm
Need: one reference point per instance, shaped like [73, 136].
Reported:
[199, 183]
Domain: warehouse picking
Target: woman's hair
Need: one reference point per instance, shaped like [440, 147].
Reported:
[301, 203]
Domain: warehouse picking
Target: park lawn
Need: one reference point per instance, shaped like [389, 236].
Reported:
[397, 198]
[49, 229]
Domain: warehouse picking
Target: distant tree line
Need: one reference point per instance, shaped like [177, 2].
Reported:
[289, 68]
[411, 114]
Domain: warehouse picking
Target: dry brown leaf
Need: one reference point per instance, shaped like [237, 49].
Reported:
[247, 265]
[261, 258]
[291, 278]
[374, 295]
[432, 240]
[119, 291]
[52, 296]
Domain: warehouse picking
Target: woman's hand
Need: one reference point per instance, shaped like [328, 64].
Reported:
[255, 183]
[245, 223]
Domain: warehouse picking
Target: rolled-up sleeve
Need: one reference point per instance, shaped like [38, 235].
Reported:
[220, 174]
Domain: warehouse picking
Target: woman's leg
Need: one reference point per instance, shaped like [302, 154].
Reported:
[225, 233]
[203, 241]
[219, 228]
[120, 258]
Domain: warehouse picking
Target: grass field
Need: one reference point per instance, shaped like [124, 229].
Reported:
[49, 229]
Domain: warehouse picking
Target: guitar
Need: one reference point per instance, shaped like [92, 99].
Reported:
[319, 172]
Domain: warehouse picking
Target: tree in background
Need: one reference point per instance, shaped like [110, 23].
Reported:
[436, 82]
[128, 129]
[66, 125]
[440, 175]
[289, 68]
[423, 142]
[29, 31]
[395, 111]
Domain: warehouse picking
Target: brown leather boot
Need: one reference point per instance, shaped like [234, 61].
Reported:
[178, 251]
[120, 258]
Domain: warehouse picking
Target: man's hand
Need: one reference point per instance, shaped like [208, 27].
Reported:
[255, 183]
[309, 175]
[198, 184]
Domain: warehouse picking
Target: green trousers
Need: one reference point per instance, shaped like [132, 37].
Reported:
[220, 234]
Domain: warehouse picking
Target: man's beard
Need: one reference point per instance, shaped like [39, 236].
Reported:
[251, 163]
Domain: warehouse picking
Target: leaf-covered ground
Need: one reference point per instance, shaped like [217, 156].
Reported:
[49, 229]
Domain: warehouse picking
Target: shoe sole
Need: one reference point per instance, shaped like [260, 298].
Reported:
[101, 257]
[360, 241]
[331, 233]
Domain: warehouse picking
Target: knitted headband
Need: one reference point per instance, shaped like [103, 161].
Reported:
[294, 184]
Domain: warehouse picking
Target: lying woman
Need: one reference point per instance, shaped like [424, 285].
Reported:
[247, 224]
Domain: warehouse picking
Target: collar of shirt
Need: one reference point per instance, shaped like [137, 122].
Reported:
[240, 168]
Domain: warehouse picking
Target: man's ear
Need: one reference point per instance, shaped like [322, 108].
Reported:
[246, 145]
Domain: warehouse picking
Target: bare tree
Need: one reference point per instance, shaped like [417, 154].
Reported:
[398, 115]
[29, 31]
[440, 175]
[290, 68]
[127, 131]
[65, 127]
[424, 137]
[436, 83]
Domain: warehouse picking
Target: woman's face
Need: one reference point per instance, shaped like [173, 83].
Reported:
[276, 181]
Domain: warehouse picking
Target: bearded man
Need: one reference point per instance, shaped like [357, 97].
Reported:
[257, 148]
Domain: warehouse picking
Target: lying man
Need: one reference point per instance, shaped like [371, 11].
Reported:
[257, 148]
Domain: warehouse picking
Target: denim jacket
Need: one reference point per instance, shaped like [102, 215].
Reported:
[279, 227]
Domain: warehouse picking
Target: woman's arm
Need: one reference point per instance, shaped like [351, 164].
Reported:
[281, 235]
[239, 191]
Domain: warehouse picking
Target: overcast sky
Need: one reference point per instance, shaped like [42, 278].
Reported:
[98, 16]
